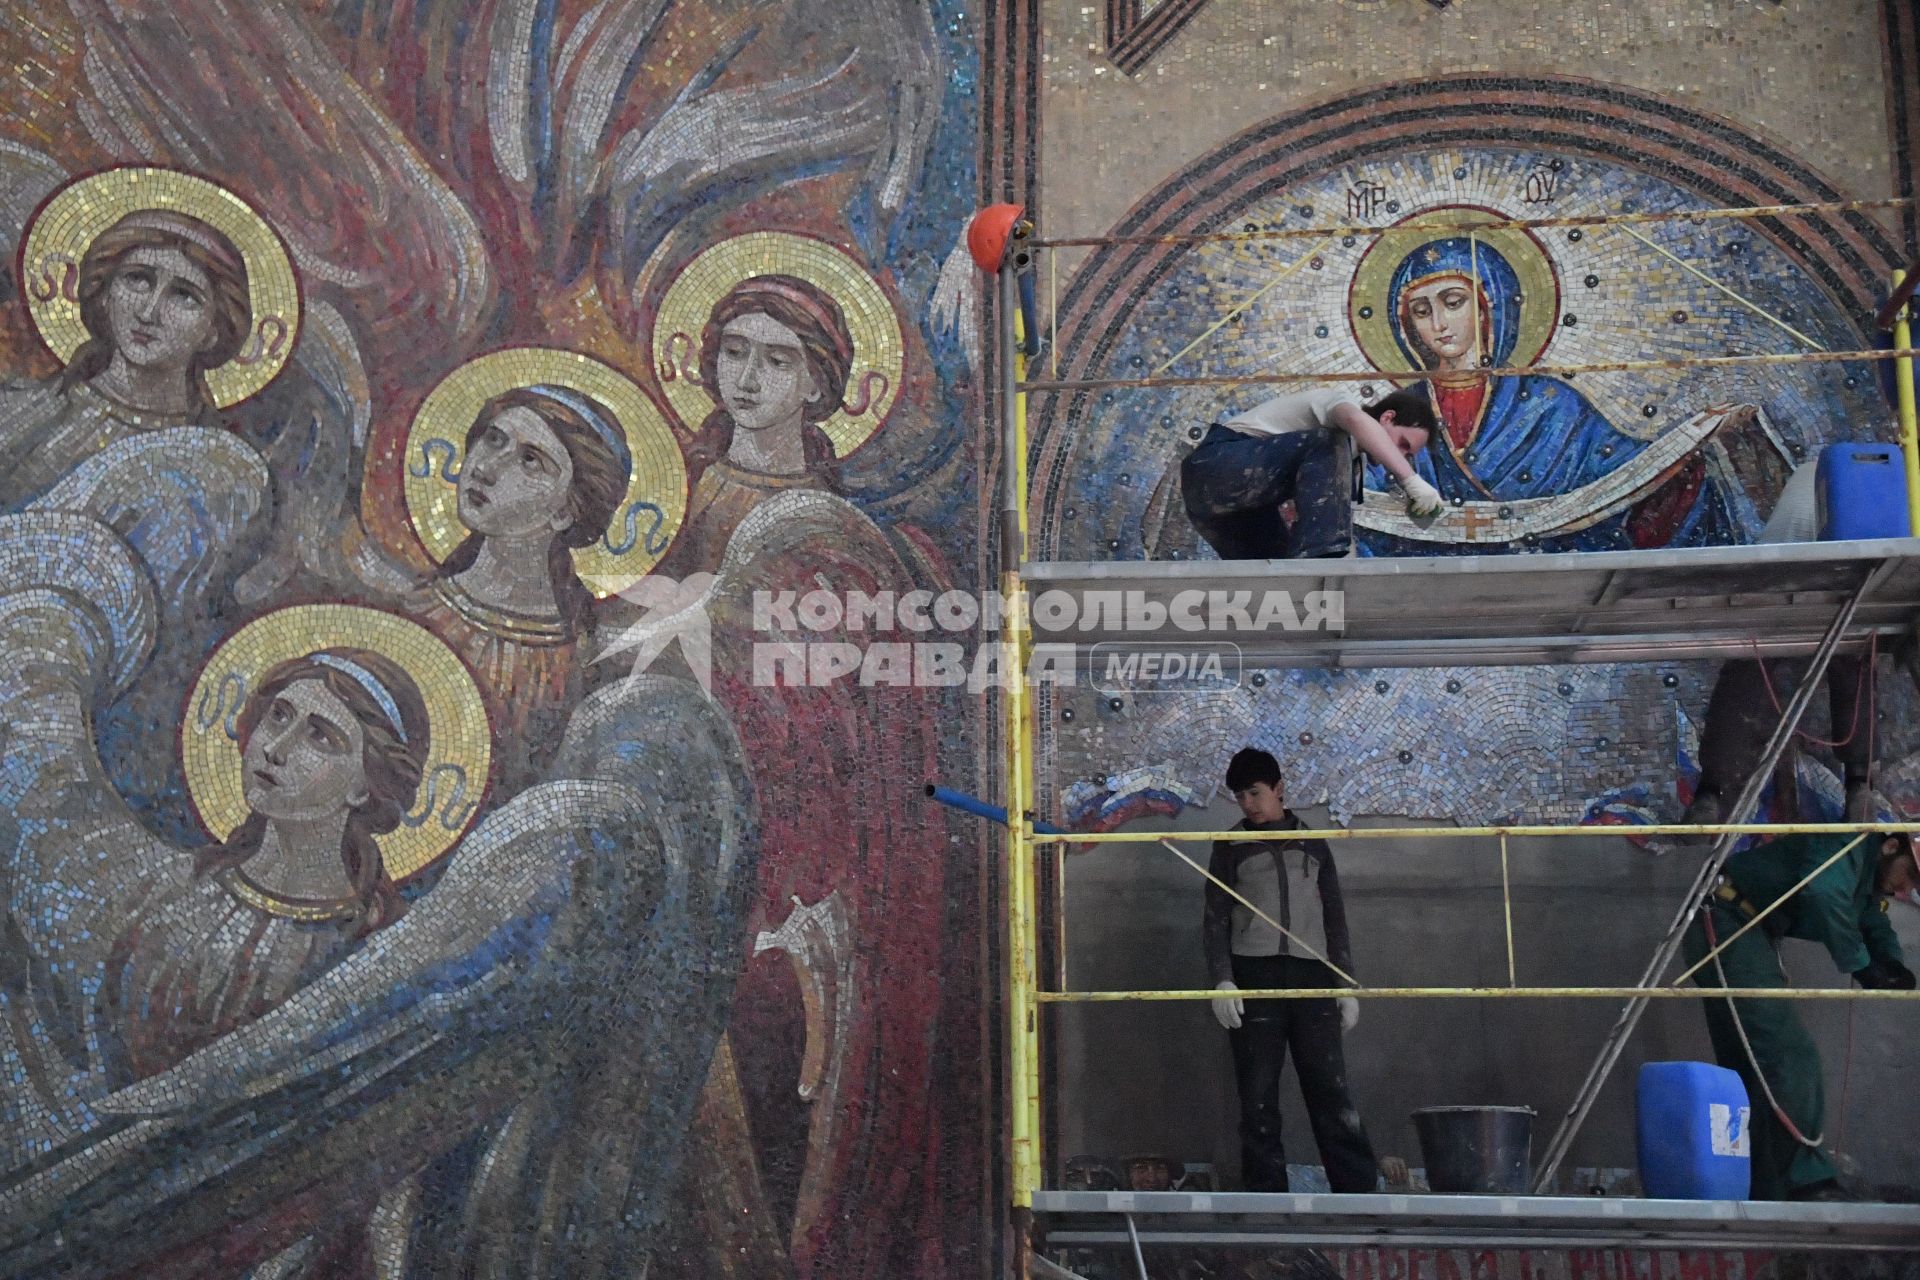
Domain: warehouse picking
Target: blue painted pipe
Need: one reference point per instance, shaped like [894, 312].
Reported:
[1030, 320]
[980, 808]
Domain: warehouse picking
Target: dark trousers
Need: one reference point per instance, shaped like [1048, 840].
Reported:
[1785, 1054]
[1233, 485]
[1741, 717]
[1312, 1029]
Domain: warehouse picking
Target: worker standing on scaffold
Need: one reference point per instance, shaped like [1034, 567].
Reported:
[1294, 883]
[1295, 447]
[1844, 908]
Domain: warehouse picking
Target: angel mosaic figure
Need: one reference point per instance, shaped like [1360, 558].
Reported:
[148, 989]
[143, 952]
[168, 300]
[529, 472]
[818, 1105]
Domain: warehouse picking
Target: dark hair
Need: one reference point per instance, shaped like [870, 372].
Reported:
[1410, 409]
[825, 343]
[207, 248]
[1251, 765]
[394, 768]
[600, 479]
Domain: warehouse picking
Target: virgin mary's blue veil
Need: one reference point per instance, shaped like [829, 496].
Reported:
[1456, 255]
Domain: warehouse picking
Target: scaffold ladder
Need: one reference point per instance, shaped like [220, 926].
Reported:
[1703, 883]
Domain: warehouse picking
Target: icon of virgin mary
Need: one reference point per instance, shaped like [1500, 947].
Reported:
[1529, 452]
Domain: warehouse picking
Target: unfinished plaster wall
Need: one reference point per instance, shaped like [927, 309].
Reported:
[1157, 1079]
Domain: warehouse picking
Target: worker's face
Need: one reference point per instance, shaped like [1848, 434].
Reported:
[1408, 440]
[1898, 877]
[1263, 803]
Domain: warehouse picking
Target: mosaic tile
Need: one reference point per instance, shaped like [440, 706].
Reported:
[353, 427]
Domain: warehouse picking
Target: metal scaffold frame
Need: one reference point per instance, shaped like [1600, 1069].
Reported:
[1540, 1220]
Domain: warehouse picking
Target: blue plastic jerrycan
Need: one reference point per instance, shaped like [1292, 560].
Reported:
[1863, 492]
[1693, 1139]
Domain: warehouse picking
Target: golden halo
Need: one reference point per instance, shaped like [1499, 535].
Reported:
[75, 215]
[879, 351]
[459, 754]
[656, 501]
[1369, 314]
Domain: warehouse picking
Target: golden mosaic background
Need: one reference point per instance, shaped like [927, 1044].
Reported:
[456, 720]
[659, 469]
[79, 212]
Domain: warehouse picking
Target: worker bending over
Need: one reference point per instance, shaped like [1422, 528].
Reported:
[1295, 447]
[1294, 883]
[1844, 909]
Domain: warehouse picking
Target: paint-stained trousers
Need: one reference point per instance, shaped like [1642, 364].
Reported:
[1785, 1053]
[1311, 1028]
[1233, 485]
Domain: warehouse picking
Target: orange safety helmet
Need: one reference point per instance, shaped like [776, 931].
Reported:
[988, 233]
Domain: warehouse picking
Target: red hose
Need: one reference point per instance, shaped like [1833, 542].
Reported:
[1866, 674]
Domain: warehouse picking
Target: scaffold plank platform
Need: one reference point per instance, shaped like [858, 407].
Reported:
[1075, 1219]
[1498, 610]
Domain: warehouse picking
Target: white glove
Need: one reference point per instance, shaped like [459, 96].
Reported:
[1422, 498]
[1228, 1008]
[1349, 1013]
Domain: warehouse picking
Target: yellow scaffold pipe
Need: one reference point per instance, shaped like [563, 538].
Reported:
[1456, 833]
[1902, 352]
[1487, 993]
[1506, 903]
[1022, 945]
[1423, 228]
[1904, 398]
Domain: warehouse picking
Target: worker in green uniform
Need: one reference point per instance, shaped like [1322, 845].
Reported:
[1844, 908]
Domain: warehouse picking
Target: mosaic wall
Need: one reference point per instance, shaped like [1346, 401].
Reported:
[378, 375]
[1192, 116]
[365, 915]
[1529, 462]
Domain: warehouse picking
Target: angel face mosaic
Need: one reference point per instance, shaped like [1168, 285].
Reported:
[755, 306]
[273, 696]
[537, 441]
[165, 272]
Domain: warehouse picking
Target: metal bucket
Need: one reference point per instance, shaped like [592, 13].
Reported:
[1484, 1150]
